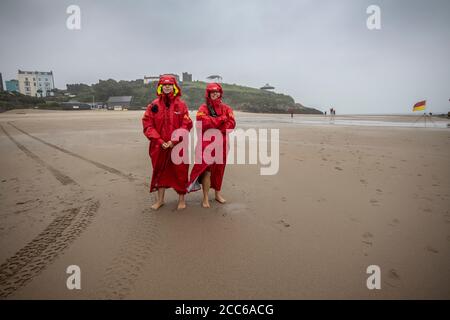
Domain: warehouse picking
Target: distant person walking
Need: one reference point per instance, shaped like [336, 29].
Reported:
[213, 114]
[162, 117]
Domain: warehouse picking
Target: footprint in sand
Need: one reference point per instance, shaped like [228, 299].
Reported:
[369, 243]
[23, 202]
[283, 199]
[364, 182]
[355, 220]
[338, 168]
[284, 223]
[367, 235]
[394, 222]
[431, 249]
[393, 274]
[447, 218]
[379, 190]
[374, 202]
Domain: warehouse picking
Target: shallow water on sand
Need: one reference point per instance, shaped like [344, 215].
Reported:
[414, 122]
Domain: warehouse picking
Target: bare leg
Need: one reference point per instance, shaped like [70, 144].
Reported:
[206, 184]
[160, 201]
[181, 202]
[219, 197]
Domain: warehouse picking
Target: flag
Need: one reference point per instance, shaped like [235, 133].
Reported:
[419, 106]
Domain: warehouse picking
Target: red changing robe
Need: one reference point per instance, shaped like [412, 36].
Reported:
[164, 115]
[223, 120]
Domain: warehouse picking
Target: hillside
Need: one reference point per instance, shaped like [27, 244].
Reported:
[239, 97]
[246, 99]
[15, 100]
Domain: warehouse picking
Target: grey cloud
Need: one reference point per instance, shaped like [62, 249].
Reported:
[320, 52]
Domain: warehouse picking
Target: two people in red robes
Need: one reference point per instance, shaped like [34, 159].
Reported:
[168, 114]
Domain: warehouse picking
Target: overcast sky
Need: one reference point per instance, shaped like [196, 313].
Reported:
[318, 51]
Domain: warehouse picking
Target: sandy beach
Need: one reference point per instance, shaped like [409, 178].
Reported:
[74, 191]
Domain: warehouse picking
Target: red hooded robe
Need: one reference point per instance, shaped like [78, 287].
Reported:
[222, 120]
[165, 114]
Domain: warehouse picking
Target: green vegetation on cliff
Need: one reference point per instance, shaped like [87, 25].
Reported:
[15, 100]
[239, 97]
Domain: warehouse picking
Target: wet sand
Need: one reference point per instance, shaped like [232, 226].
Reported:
[74, 191]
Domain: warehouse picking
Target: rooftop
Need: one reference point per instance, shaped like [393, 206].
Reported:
[121, 99]
[36, 72]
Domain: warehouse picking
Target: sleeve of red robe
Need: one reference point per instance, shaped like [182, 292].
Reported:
[186, 123]
[209, 122]
[230, 122]
[148, 123]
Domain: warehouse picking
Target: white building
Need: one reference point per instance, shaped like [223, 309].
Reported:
[148, 80]
[35, 83]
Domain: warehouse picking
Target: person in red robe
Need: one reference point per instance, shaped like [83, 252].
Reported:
[217, 115]
[163, 116]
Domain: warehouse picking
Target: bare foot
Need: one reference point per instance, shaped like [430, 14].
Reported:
[181, 205]
[205, 203]
[157, 205]
[220, 199]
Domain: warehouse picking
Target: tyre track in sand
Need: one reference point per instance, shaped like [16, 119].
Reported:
[36, 255]
[73, 154]
[126, 266]
[29, 261]
[120, 276]
[64, 179]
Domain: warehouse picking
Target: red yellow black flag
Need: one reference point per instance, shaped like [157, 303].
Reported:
[420, 105]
